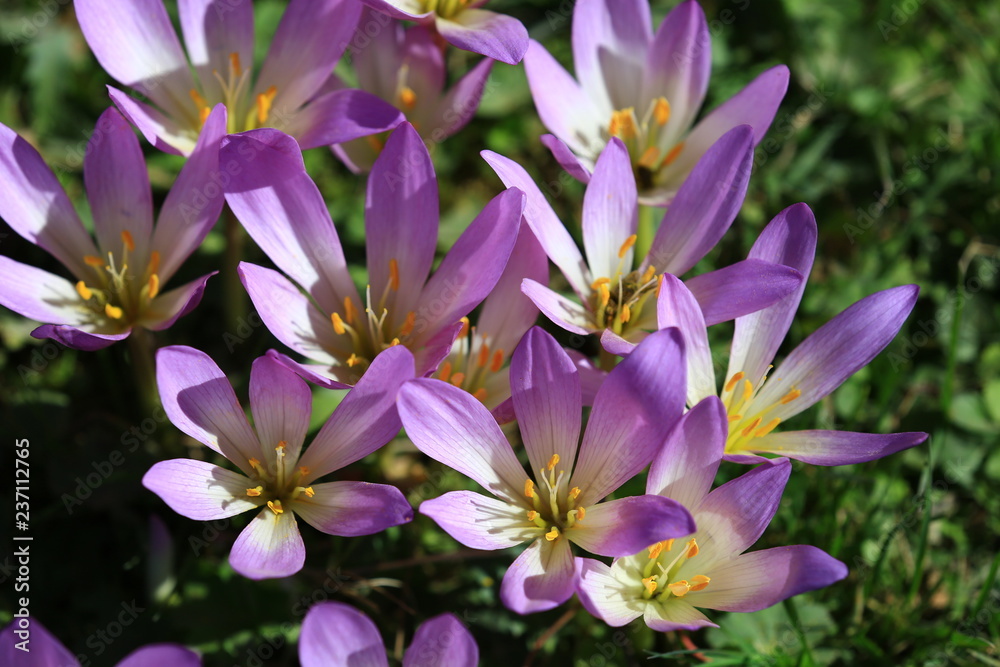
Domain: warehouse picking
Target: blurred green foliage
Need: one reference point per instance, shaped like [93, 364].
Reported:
[889, 132]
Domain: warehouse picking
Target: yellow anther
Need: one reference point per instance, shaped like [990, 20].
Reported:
[553, 462]
[153, 285]
[198, 100]
[552, 535]
[376, 143]
[394, 342]
[457, 379]
[353, 360]
[672, 155]
[735, 418]
[254, 462]
[484, 356]
[393, 274]
[692, 548]
[480, 395]
[749, 429]
[445, 373]
[350, 312]
[280, 447]
[408, 324]
[203, 114]
[303, 471]
[338, 324]
[264, 101]
[627, 245]
[623, 124]
[84, 291]
[648, 275]
[661, 111]
[465, 327]
[656, 549]
[255, 491]
[747, 390]
[407, 98]
[529, 488]
[604, 295]
[309, 492]
[699, 581]
[649, 157]
[532, 515]
[574, 493]
[275, 506]
[733, 380]
[128, 240]
[234, 62]
[649, 583]
[154, 262]
[679, 588]
[497, 362]
[600, 281]
[91, 260]
[625, 313]
[668, 545]
[581, 513]
[767, 428]
[114, 312]
[790, 396]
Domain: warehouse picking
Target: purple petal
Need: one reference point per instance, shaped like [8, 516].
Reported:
[836, 350]
[309, 41]
[340, 116]
[565, 109]
[118, 190]
[573, 165]
[569, 315]
[442, 641]
[591, 377]
[170, 306]
[281, 404]
[334, 633]
[195, 201]
[610, 212]
[137, 45]
[377, 54]
[633, 412]
[459, 105]
[350, 509]
[757, 580]
[789, 239]
[365, 420]
[420, 48]
[493, 35]
[541, 578]
[401, 218]
[78, 340]
[199, 400]
[199, 490]
[160, 130]
[38, 294]
[545, 388]
[318, 375]
[473, 265]
[677, 307]
[480, 522]
[550, 232]
[743, 288]
[628, 525]
[269, 547]
[403, 10]
[610, 41]
[214, 29]
[282, 210]
[35, 206]
[835, 448]
[46, 650]
[678, 615]
[705, 205]
[598, 591]
[449, 425]
[615, 344]
[685, 467]
[155, 655]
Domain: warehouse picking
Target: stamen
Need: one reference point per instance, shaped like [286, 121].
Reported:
[153, 285]
[303, 471]
[114, 312]
[84, 291]
[600, 281]
[532, 515]
[203, 115]
[625, 314]
[350, 312]
[497, 362]
[255, 491]
[699, 582]
[393, 275]
[627, 245]
[264, 101]
[465, 327]
[552, 535]
[484, 356]
[445, 373]
[480, 395]
[457, 379]
[407, 328]
[604, 295]
[553, 462]
[692, 548]
[154, 262]
[754, 424]
[275, 506]
[91, 260]
[790, 396]
[408, 98]
[338, 324]
[309, 492]
[234, 62]
[574, 493]
[679, 588]
[735, 418]
[747, 390]
[649, 157]
[733, 380]
[656, 549]
[529, 488]
[353, 360]
[127, 240]
[623, 124]
[648, 275]
[672, 155]
[661, 111]
[649, 583]
[767, 428]
[198, 100]
[581, 513]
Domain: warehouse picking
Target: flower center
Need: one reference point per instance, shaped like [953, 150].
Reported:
[116, 295]
[554, 509]
[446, 9]
[660, 572]
[650, 147]
[472, 363]
[746, 421]
[617, 301]
[243, 113]
[279, 487]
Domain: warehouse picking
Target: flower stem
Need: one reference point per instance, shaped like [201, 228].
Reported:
[140, 345]
[235, 303]
[645, 232]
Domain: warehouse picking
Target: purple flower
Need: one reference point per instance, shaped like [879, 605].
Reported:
[137, 45]
[462, 24]
[118, 281]
[406, 68]
[644, 89]
[558, 502]
[666, 583]
[281, 208]
[275, 479]
[41, 649]
[614, 298]
[820, 364]
[338, 635]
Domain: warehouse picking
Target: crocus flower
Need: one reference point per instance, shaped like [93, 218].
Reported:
[558, 502]
[756, 404]
[671, 579]
[282, 210]
[117, 282]
[406, 68]
[338, 635]
[44, 650]
[612, 296]
[464, 25]
[136, 44]
[275, 479]
[645, 90]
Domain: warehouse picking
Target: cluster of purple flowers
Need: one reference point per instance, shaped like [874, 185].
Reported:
[404, 346]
